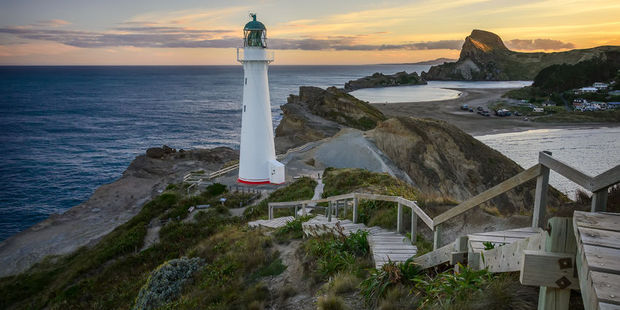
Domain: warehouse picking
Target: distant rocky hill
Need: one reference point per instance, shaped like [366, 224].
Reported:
[383, 80]
[444, 161]
[484, 57]
[318, 113]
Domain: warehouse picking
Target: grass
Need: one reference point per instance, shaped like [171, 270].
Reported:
[581, 117]
[370, 212]
[292, 230]
[329, 254]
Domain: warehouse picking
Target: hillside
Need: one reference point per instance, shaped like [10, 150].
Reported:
[484, 57]
[443, 161]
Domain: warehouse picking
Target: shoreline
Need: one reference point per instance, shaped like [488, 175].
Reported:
[476, 125]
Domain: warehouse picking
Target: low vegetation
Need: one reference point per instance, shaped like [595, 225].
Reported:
[110, 274]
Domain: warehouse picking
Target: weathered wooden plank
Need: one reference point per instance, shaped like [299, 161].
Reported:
[606, 306]
[548, 269]
[566, 170]
[602, 259]
[499, 189]
[559, 240]
[599, 200]
[540, 200]
[604, 221]
[436, 257]
[521, 232]
[508, 258]
[607, 287]
[436, 237]
[606, 179]
[474, 238]
[599, 237]
[588, 295]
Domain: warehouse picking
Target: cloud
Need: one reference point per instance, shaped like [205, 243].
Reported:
[538, 44]
[51, 23]
[153, 36]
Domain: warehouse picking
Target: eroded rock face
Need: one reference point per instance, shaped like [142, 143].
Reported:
[318, 113]
[382, 80]
[485, 57]
[444, 161]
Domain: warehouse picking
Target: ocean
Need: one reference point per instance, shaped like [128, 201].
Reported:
[64, 131]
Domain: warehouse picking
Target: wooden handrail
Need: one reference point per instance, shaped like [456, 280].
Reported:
[566, 170]
[410, 204]
[606, 179]
[489, 194]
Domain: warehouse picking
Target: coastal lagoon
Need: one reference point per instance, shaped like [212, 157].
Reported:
[433, 91]
[592, 150]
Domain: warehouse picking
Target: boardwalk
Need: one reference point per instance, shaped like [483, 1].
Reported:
[385, 245]
[273, 223]
[598, 258]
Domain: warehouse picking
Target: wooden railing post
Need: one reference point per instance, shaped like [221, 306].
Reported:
[355, 210]
[296, 206]
[337, 205]
[329, 211]
[599, 200]
[560, 239]
[540, 200]
[414, 226]
[399, 218]
[304, 212]
[436, 237]
[270, 212]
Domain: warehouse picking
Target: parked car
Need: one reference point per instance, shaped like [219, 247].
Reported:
[479, 108]
[465, 107]
[516, 113]
[471, 110]
[485, 113]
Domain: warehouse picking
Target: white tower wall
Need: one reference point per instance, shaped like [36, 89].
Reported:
[257, 147]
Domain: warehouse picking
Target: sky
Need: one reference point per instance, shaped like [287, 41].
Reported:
[188, 32]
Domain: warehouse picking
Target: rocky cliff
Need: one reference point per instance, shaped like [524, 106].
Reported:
[485, 57]
[382, 80]
[318, 113]
[444, 161]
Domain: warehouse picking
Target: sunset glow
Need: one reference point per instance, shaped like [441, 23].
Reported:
[319, 32]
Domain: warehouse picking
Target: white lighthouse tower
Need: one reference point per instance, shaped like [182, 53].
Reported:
[257, 162]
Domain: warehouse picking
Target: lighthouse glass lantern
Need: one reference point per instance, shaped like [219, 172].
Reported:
[257, 158]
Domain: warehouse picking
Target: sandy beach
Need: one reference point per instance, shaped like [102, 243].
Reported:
[471, 122]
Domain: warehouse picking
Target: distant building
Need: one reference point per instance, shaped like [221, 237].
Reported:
[613, 105]
[600, 85]
[588, 90]
[614, 93]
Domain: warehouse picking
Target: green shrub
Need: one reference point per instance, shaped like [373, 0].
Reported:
[215, 189]
[375, 286]
[273, 269]
[329, 254]
[331, 302]
[292, 229]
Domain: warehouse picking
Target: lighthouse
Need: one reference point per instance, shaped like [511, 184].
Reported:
[257, 160]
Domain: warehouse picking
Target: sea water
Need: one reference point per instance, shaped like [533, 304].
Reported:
[64, 131]
[592, 150]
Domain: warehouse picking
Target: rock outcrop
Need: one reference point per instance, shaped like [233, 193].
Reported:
[320, 113]
[382, 80]
[484, 57]
[444, 161]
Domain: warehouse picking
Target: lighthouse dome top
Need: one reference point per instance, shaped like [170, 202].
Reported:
[254, 24]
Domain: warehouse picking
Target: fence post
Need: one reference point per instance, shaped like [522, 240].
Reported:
[599, 200]
[296, 206]
[399, 218]
[337, 205]
[540, 200]
[329, 211]
[270, 212]
[355, 202]
[560, 239]
[304, 212]
[436, 237]
[414, 226]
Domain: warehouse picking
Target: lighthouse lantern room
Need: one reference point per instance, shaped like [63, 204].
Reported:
[257, 160]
